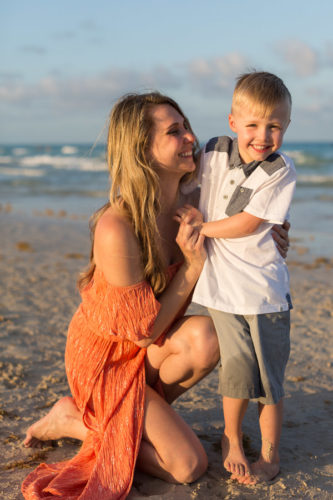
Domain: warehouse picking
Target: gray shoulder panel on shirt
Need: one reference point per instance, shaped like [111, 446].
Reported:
[221, 144]
[272, 164]
[239, 200]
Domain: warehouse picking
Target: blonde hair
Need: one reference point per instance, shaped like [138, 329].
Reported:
[261, 90]
[134, 182]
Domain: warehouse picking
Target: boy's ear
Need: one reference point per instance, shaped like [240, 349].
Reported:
[232, 123]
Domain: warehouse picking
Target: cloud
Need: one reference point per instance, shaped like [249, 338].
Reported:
[303, 60]
[34, 49]
[329, 53]
[8, 76]
[85, 93]
[210, 76]
[61, 94]
[320, 100]
[89, 25]
[64, 35]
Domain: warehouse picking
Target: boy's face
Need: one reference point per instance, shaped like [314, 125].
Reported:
[258, 136]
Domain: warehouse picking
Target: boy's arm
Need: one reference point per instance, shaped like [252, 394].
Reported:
[271, 201]
[236, 226]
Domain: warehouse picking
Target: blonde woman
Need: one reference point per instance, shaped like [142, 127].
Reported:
[130, 351]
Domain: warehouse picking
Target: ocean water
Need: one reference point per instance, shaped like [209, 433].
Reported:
[73, 178]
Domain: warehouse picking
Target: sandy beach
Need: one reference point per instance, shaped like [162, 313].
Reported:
[40, 257]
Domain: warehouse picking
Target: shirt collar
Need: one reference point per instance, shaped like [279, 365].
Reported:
[235, 160]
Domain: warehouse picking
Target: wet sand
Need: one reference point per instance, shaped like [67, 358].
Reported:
[40, 257]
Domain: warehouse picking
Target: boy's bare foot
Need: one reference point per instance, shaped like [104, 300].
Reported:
[265, 471]
[233, 457]
[261, 471]
[267, 467]
[63, 420]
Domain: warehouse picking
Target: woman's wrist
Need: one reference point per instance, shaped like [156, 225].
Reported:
[192, 270]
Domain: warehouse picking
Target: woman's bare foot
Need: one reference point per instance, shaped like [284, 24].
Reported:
[233, 457]
[63, 420]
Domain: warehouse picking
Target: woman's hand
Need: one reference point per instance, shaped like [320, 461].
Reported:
[179, 290]
[189, 239]
[281, 237]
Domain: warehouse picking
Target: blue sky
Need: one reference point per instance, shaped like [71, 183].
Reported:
[63, 63]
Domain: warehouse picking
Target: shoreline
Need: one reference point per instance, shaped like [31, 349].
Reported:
[40, 258]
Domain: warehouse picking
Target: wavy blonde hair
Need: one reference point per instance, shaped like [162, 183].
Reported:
[134, 182]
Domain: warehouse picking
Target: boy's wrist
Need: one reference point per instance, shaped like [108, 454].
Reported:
[203, 228]
[206, 230]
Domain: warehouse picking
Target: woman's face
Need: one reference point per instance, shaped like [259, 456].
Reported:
[171, 142]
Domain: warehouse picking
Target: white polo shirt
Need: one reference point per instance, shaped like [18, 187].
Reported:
[244, 275]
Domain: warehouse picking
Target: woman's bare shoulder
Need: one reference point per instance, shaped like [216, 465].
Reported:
[116, 249]
[114, 227]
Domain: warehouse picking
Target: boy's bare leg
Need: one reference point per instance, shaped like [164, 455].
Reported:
[268, 464]
[270, 420]
[233, 456]
[63, 420]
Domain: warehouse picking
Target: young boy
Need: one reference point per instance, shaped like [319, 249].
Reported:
[246, 188]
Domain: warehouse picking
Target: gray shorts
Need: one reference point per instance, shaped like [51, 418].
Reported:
[254, 353]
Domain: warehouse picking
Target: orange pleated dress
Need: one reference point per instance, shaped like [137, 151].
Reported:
[103, 365]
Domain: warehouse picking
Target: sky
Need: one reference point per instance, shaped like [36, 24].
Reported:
[64, 63]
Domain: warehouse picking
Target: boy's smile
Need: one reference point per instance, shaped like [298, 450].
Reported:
[259, 136]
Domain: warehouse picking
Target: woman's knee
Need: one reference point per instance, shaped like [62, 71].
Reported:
[191, 467]
[204, 343]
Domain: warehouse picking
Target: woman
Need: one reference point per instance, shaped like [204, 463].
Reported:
[130, 351]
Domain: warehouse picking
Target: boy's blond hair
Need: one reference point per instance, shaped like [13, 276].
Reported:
[260, 90]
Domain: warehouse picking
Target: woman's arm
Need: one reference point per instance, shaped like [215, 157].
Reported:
[117, 254]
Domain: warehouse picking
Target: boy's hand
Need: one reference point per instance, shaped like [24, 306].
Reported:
[193, 216]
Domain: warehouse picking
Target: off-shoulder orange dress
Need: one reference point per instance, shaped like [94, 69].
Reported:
[103, 366]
